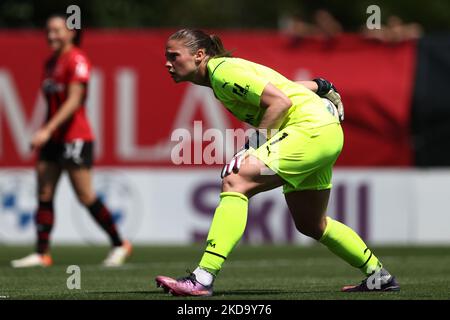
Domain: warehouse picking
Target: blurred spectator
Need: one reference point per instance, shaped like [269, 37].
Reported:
[394, 31]
[295, 27]
[327, 24]
[324, 25]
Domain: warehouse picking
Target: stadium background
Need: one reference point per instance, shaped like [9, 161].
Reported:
[391, 182]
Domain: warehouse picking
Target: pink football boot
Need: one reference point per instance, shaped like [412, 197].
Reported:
[186, 286]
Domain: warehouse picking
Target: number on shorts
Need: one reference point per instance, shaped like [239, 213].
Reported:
[73, 150]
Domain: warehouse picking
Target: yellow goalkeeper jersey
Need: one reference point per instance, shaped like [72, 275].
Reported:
[239, 84]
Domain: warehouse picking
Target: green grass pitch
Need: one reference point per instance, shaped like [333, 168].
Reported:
[259, 272]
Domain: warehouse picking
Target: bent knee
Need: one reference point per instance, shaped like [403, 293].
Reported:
[86, 199]
[314, 231]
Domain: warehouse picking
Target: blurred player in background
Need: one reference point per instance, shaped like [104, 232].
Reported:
[65, 143]
[299, 157]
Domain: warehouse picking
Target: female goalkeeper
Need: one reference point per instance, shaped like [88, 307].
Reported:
[299, 157]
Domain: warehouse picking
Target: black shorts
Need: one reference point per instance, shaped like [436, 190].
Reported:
[77, 153]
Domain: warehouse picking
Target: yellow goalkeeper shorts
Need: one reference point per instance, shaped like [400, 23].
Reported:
[303, 157]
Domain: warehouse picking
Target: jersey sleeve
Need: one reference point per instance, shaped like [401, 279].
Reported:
[231, 82]
[79, 69]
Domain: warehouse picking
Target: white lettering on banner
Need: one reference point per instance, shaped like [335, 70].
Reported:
[12, 108]
[21, 130]
[126, 133]
[213, 152]
[202, 97]
[94, 105]
[194, 98]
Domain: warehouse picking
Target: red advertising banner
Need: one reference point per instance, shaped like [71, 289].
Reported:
[134, 106]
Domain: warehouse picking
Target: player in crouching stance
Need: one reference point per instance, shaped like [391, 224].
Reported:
[300, 157]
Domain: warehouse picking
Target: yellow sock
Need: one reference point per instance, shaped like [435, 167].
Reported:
[227, 228]
[346, 244]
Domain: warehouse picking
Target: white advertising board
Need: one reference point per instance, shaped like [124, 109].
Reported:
[175, 206]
